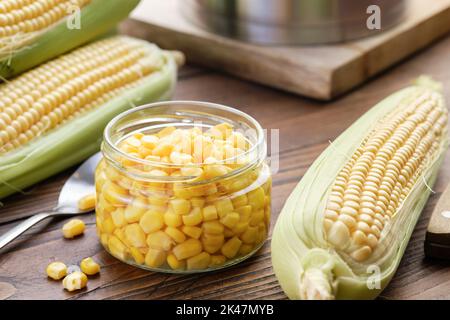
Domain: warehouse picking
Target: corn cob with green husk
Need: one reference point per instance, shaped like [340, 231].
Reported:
[343, 230]
[34, 31]
[53, 116]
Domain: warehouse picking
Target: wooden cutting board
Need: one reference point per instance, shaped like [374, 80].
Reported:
[321, 72]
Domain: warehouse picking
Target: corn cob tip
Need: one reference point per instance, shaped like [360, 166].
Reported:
[428, 82]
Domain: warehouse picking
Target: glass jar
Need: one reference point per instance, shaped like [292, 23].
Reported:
[179, 216]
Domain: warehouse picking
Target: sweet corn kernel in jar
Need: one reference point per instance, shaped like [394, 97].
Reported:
[183, 196]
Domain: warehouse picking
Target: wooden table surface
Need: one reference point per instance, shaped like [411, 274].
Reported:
[306, 127]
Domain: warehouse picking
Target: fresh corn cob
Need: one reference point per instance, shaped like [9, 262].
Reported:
[34, 31]
[53, 116]
[343, 230]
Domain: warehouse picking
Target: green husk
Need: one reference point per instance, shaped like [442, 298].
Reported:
[97, 18]
[305, 265]
[79, 138]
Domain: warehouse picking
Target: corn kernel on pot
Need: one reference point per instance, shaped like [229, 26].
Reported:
[183, 187]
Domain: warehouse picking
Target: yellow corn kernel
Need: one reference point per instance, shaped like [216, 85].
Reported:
[193, 218]
[134, 211]
[180, 206]
[149, 141]
[193, 232]
[240, 227]
[120, 234]
[162, 150]
[175, 234]
[159, 240]
[240, 201]
[114, 194]
[104, 239]
[209, 213]
[215, 170]
[245, 212]
[108, 225]
[198, 202]
[75, 281]
[256, 198]
[245, 249]
[231, 247]
[87, 203]
[73, 228]
[165, 132]
[212, 242]
[230, 219]
[117, 248]
[158, 200]
[152, 221]
[104, 205]
[257, 217]
[213, 227]
[155, 258]
[187, 249]
[174, 263]
[224, 206]
[198, 262]
[250, 235]
[137, 255]
[56, 270]
[172, 219]
[228, 233]
[89, 266]
[217, 260]
[134, 235]
[118, 217]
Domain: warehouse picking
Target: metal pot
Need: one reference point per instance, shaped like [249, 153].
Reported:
[291, 21]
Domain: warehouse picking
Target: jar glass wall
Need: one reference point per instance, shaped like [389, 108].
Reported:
[183, 187]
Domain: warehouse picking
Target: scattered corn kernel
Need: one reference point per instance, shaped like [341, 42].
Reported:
[73, 228]
[56, 270]
[89, 266]
[75, 281]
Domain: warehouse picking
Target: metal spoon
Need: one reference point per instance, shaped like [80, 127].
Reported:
[80, 184]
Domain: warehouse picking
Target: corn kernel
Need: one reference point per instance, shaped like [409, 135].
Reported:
[56, 270]
[217, 260]
[118, 217]
[244, 212]
[256, 198]
[180, 206]
[149, 141]
[87, 203]
[89, 266]
[174, 263]
[187, 249]
[212, 242]
[135, 210]
[152, 221]
[137, 255]
[172, 219]
[240, 201]
[155, 258]
[224, 206]
[104, 239]
[120, 234]
[73, 228]
[165, 132]
[215, 170]
[245, 249]
[114, 194]
[175, 234]
[108, 225]
[159, 240]
[209, 213]
[117, 248]
[163, 150]
[193, 232]
[193, 218]
[134, 235]
[198, 262]
[228, 233]
[231, 247]
[257, 217]
[198, 202]
[250, 235]
[75, 281]
[213, 227]
[240, 227]
[230, 219]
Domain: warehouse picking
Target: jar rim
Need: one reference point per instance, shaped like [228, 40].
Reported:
[258, 145]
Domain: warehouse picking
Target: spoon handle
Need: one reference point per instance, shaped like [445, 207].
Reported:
[21, 228]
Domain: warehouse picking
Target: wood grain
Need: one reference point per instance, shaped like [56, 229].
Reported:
[321, 72]
[306, 127]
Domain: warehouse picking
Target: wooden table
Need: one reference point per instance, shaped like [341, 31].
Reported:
[306, 127]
